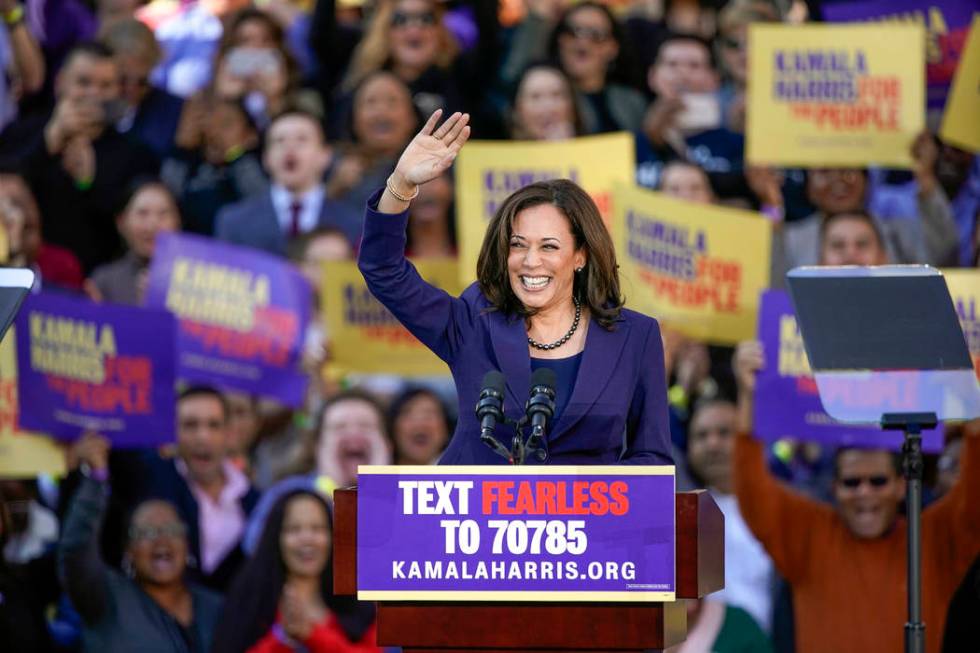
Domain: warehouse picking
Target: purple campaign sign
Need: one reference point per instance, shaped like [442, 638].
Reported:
[947, 25]
[560, 533]
[98, 367]
[242, 315]
[787, 403]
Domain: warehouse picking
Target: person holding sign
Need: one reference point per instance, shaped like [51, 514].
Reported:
[847, 565]
[547, 295]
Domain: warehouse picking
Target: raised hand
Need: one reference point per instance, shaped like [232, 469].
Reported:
[431, 152]
[748, 359]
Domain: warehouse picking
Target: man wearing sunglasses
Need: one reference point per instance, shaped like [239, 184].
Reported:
[847, 563]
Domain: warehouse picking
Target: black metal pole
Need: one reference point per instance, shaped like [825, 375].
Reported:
[915, 630]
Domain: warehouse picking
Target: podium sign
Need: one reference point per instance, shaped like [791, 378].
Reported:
[486, 533]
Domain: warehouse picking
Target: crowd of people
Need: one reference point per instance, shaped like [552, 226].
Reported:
[269, 125]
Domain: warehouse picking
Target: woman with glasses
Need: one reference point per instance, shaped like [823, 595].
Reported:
[732, 49]
[148, 607]
[411, 39]
[588, 44]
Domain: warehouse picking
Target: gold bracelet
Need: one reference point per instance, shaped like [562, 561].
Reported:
[394, 193]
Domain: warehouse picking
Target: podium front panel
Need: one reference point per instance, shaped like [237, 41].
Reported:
[560, 533]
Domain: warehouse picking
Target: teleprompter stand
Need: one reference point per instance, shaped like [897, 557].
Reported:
[514, 627]
[891, 327]
[912, 425]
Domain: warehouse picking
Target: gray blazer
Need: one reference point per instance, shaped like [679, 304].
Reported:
[253, 223]
[118, 616]
[931, 237]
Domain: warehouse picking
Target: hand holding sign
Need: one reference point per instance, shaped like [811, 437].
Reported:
[91, 449]
[748, 360]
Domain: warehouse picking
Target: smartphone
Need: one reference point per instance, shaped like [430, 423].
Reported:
[15, 283]
[245, 62]
[701, 112]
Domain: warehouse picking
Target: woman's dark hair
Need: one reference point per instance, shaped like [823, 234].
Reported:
[399, 404]
[624, 68]
[597, 286]
[137, 186]
[569, 87]
[253, 599]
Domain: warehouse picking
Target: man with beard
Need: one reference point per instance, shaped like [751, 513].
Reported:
[846, 564]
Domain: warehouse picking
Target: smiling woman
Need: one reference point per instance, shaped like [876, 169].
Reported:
[151, 601]
[547, 295]
[283, 599]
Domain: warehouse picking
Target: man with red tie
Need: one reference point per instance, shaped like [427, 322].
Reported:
[296, 156]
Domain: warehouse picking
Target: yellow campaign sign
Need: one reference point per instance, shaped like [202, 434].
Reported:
[364, 336]
[699, 269]
[964, 288]
[487, 172]
[22, 454]
[961, 119]
[835, 95]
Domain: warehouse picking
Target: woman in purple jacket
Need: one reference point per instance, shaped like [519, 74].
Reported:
[547, 295]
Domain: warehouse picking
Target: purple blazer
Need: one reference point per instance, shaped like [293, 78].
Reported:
[618, 409]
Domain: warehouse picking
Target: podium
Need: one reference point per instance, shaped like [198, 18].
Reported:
[510, 627]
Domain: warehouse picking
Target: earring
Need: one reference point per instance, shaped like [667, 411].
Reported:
[578, 270]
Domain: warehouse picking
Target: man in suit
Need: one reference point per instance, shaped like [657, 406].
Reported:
[296, 157]
[212, 496]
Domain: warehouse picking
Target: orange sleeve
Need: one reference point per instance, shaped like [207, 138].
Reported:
[781, 519]
[954, 520]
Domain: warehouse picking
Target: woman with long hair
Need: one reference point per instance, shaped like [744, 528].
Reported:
[411, 39]
[150, 209]
[283, 599]
[547, 297]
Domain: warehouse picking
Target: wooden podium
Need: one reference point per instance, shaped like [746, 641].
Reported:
[510, 627]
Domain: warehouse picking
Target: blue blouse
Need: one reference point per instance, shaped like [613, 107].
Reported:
[566, 369]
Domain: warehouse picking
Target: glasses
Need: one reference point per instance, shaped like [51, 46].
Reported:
[404, 19]
[137, 533]
[594, 34]
[854, 482]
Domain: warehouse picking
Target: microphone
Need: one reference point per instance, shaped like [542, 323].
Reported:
[540, 408]
[490, 410]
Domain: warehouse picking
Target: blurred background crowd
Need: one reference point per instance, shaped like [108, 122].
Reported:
[268, 125]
